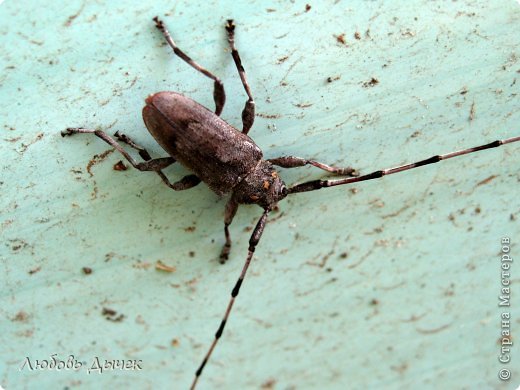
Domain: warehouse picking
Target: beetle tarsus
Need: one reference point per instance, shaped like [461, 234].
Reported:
[158, 23]
[224, 255]
[68, 131]
[230, 25]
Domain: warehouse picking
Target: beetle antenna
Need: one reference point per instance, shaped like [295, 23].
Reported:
[318, 184]
[253, 241]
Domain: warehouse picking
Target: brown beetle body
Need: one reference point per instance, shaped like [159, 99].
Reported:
[220, 155]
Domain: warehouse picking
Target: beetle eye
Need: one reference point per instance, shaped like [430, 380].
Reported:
[284, 191]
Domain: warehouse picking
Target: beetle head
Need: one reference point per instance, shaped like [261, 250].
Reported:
[262, 186]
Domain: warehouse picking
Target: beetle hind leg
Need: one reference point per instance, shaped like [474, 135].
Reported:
[127, 140]
[150, 164]
[218, 88]
[185, 183]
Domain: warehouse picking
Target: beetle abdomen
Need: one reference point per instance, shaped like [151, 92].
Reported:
[215, 151]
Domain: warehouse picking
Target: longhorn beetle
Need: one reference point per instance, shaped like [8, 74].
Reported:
[228, 160]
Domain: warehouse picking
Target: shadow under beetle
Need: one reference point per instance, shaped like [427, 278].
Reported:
[228, 160]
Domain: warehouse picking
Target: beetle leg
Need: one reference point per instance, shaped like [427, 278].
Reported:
[185, 183]
[127, 140]
[253, 242]
[231, 210]
[248, 114]
[293, 162]
[218, 88]
[155, 165]
[148, 165]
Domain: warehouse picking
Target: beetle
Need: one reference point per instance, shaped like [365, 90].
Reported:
[228, 160]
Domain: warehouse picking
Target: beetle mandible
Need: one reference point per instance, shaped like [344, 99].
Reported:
[228, 160]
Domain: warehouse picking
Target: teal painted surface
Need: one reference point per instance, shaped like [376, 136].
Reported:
[393, 286]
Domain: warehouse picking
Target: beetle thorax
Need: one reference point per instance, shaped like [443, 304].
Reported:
[262, 186]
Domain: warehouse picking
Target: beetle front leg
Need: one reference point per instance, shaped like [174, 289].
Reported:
[293, 162]
[218, 88]
[231, 210]
[248, 114]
